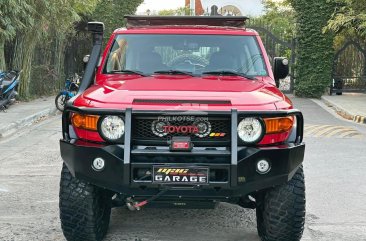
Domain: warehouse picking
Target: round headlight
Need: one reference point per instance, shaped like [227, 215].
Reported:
[112, 127]
[250, 130]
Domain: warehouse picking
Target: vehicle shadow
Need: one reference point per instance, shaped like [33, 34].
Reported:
[225, 223]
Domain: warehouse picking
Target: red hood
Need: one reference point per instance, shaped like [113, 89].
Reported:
[215, 93]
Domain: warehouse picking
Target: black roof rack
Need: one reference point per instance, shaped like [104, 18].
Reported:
[135, 21]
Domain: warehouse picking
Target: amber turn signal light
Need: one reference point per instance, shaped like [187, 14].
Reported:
[87, 122]
[278, 125]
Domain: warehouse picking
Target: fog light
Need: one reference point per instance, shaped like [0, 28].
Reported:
[98, 164]
[263, 167]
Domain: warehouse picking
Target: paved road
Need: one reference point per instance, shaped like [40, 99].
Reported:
[335, 177]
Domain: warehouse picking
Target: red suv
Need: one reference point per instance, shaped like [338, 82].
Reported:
[182, 112]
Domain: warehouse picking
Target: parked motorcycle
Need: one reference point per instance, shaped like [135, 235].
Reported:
[9, 82]
[71, 88]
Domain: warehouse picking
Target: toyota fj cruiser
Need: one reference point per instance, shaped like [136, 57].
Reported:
[181, 112]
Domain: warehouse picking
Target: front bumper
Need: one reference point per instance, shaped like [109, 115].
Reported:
[243, 178]
[236, 164]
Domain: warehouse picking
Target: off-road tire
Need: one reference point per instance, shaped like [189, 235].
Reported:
[59, 102]
[84, 209]
[281, 210]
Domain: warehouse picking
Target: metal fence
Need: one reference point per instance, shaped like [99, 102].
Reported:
[278, 46]
[349, 69]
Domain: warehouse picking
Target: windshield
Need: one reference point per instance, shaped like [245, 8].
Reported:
[175, 54]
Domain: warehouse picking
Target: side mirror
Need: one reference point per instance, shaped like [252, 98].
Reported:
[280, 69]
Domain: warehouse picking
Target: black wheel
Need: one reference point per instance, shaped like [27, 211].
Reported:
[281, 210]
[84, 209]
[60, 101]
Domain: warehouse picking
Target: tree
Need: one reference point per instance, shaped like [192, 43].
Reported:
[167, 12]
[349, 18]
[314, 49]
[44, 27]
[182, 11]
[49, 18]
[14, 16]
[112, 13]
[279, 16]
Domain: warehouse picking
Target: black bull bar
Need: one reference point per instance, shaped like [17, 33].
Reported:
[243, 178]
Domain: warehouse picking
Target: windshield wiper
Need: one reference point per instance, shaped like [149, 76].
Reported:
[127, 71]
[173, 72]
[229, 73]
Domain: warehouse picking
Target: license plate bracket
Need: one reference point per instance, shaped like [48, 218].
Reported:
[180, 175]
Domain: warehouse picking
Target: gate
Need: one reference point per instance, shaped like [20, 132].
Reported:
[278, 47]
[349, 69]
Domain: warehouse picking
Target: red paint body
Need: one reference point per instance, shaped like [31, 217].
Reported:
[216, 131]
[118, 91]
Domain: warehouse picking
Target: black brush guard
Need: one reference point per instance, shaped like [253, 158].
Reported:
[237, 161]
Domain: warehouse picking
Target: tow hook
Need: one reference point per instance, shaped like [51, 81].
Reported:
[132, 205]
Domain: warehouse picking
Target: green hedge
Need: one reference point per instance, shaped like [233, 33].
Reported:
[315, 49]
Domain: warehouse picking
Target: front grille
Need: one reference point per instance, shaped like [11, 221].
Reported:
[220, 126]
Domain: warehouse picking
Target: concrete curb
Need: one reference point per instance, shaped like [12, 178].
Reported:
[359, 119]
[15, 126]
[343, 112]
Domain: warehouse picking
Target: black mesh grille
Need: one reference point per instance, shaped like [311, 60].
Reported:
[142, 130]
